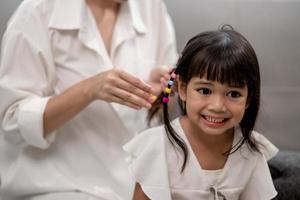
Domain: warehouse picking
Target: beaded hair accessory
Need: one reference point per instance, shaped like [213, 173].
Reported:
[168, 89]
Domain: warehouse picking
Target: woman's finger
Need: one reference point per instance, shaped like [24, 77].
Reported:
[159, 72]
[134, 90]
[130, 98]
[118, 100]
[135, 81]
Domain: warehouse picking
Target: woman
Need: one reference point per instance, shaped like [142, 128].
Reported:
[70, 96]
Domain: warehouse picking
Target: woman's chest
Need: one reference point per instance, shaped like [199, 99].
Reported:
[77, 56]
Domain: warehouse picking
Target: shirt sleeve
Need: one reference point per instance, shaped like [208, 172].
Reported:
[266, 146]
[147, 164]
[260, 185]
[26, 81]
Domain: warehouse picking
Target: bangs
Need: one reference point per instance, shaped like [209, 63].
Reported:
[219, 67]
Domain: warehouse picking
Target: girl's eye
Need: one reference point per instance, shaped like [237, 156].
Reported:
[234, 94]
[204, 91]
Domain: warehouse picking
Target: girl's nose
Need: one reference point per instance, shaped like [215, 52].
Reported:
[217, 103]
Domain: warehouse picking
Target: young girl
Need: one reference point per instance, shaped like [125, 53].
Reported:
[211, 151]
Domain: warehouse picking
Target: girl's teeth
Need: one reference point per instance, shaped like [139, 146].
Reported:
[210, 119]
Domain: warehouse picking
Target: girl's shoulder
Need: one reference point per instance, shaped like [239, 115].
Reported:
[152, 139]
[145, 140]
[266, 147]
[142, 148]
[147, 163]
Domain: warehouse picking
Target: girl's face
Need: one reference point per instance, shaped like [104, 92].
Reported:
[212, 108]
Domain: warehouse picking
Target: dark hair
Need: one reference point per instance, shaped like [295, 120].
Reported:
[224, 56]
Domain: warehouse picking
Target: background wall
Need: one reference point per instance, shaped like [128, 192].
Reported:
[6, 9]
[273, 28]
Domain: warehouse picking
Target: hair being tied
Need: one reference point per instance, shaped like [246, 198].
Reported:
[224, 56]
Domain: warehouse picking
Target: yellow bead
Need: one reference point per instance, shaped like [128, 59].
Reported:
[168, 90]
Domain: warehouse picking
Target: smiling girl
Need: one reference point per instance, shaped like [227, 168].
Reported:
[211, 151]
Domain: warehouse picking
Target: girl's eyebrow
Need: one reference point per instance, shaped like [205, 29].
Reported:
[210, 83]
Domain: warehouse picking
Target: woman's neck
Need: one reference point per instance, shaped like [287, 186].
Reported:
[100, 8]
[105, 13]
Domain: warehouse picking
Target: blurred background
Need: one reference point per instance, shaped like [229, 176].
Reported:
[273, 28]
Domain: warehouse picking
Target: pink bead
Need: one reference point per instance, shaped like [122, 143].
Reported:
[165, 100]
[173, 75]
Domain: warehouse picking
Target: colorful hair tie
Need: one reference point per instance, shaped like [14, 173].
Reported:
[168, 89]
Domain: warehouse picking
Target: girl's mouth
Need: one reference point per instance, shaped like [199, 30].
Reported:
[214, 121]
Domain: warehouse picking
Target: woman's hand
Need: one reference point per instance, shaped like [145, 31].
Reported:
[159, 78]
[117, 86]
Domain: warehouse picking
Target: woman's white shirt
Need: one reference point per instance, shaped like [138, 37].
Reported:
[49, 46]
[156, 165]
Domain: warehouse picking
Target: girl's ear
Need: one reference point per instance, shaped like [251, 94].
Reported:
[181, 90]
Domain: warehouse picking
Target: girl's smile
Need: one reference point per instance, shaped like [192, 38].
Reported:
[214, 122]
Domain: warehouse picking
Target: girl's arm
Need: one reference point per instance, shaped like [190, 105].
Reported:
[139, 194]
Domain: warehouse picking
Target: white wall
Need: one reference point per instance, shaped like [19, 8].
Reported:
[6, 9]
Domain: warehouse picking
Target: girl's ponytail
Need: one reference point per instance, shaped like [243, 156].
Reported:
[163, 99]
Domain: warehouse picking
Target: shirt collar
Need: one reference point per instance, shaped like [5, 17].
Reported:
[136, 17]
[69, 15]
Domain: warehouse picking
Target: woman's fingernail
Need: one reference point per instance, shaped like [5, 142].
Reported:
[152, 98]
[148, 105]
[138, 107]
